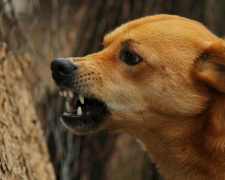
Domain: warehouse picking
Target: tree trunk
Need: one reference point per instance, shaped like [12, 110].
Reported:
[23, 150]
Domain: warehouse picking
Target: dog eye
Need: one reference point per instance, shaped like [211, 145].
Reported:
[130, 58]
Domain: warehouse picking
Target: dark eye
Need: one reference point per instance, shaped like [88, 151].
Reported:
[130, 58]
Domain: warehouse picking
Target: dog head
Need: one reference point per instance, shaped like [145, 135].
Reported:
[157, 66]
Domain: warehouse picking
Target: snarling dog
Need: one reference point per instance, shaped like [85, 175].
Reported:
[160, 79]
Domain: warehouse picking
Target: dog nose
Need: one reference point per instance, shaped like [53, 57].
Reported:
[61, 69]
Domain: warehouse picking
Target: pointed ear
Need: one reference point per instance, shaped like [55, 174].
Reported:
[210, 66]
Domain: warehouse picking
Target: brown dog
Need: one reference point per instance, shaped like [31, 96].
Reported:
[160, 79]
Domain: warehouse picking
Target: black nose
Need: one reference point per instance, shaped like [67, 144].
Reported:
[61, 69]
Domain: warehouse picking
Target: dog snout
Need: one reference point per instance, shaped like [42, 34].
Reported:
[61, 69]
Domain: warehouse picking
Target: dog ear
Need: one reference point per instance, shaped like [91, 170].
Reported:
[210, 66]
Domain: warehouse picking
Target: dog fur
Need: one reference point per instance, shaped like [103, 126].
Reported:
[172, 101]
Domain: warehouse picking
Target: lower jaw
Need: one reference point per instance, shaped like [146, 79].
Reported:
[83, 125]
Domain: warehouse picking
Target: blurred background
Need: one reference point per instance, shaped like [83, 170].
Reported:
[40, 30]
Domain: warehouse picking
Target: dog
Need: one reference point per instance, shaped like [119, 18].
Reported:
[160, 79]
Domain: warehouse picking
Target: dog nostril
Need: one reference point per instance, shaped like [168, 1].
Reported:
[62, 66]
[62, 69]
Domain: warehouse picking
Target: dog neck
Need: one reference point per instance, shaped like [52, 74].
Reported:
[193, 147]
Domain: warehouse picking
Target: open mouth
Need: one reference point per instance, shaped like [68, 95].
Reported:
[85, 114]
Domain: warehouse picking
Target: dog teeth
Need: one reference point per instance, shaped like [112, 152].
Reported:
[81, 99]
[68, 107]
[70, 94]
[79, 111]
[65, 93]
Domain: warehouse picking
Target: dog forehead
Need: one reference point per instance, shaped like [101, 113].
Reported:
[160, 27]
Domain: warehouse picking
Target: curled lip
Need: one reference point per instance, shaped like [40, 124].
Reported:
[85, 115]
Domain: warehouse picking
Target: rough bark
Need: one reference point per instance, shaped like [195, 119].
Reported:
[23, 150]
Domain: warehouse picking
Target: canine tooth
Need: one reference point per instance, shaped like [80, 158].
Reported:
[65, 93]
[81, 98]
[79, 111]
[68, 107]
[71, 94]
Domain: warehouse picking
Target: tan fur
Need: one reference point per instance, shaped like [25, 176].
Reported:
[173, 101]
